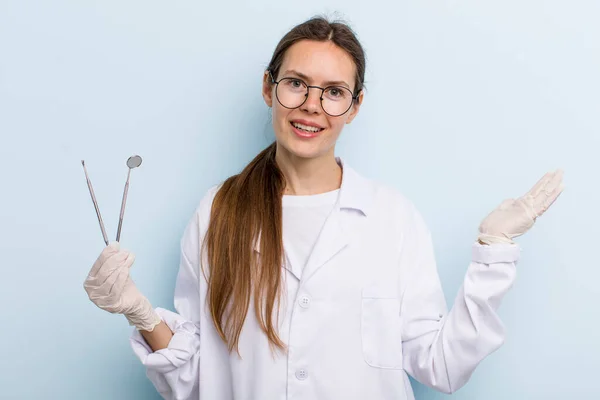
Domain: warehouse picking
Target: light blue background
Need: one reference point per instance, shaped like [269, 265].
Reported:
[468, 103]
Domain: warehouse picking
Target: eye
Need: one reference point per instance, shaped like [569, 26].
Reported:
[293, 84]
[337, 92]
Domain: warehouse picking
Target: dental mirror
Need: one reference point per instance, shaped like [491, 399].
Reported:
[132, 162]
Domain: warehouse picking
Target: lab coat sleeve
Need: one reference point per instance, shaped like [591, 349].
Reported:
[442, 349]
[174, 371]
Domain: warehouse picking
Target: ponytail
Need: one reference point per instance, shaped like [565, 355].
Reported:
[246, 207]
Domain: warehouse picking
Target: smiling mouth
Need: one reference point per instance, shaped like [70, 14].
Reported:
[306, 128]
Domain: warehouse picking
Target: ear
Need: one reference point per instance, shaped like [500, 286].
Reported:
[267, 89]
[355, 107]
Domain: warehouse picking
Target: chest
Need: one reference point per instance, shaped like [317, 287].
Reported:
[350, 253]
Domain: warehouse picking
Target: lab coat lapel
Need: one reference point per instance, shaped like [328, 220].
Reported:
[295, 270]
[356, 193]
[332, 239]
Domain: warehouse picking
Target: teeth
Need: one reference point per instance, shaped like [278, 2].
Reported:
[306, 127]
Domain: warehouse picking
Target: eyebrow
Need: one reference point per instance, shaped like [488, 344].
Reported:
[306, 78]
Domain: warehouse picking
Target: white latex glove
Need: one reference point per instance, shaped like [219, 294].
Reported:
[110, 287]
[515, 217]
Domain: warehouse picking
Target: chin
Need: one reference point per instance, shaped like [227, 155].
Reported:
[305, 151]
[298, 149]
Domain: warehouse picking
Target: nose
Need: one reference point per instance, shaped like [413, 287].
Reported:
[313, 102]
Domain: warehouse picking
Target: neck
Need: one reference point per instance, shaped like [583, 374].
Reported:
[307, 176]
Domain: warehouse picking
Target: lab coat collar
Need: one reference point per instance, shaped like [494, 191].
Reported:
[356, 192]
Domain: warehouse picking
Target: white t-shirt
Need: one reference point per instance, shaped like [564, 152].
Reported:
[303, 219]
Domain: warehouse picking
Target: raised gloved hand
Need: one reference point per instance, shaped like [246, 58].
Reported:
[515, 217]
[110, 287]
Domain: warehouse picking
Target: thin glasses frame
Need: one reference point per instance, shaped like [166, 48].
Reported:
[354, 97]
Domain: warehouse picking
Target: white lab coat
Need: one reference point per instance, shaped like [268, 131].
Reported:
[367, 310]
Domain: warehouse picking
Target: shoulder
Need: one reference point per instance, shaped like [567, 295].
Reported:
[204, 208]
[377, 199]
[198, 224]
[393, 205]
[390, 199]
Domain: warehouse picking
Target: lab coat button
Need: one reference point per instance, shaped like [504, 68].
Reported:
[301, 374]
[304, 301]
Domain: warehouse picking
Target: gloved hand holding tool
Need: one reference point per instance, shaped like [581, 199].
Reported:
[108, 283]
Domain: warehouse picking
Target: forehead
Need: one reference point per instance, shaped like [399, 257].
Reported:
[321, 61]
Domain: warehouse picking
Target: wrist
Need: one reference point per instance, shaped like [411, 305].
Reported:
[490, 239]
[144, 317]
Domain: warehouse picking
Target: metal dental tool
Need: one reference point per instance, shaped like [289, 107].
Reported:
[132, 162]
[89, 183]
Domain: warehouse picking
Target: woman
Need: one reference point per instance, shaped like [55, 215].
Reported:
[300, 279]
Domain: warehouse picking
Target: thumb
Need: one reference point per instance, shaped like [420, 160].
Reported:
[107, 252]
[129, 260]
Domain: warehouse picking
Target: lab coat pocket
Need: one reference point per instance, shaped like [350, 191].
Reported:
[381, 327]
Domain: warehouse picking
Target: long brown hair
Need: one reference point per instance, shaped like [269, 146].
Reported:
[247, 211]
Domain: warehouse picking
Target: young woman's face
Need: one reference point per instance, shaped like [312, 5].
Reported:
[307, 131]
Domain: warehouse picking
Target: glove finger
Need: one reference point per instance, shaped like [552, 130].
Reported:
[112, 266]
[555, 182]
[551, 199]
[104, 289]
[538, 187]
[120, 283]
[129, 260]
[549, 193]
[527, 205]
[106, 296]
[92, 283]
[113, 263]
[109, 251]
[506, 204]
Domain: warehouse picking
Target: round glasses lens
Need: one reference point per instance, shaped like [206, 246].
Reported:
[291, 92]
[336, 100]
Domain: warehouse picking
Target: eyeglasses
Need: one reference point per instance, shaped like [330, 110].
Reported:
[293, 92]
